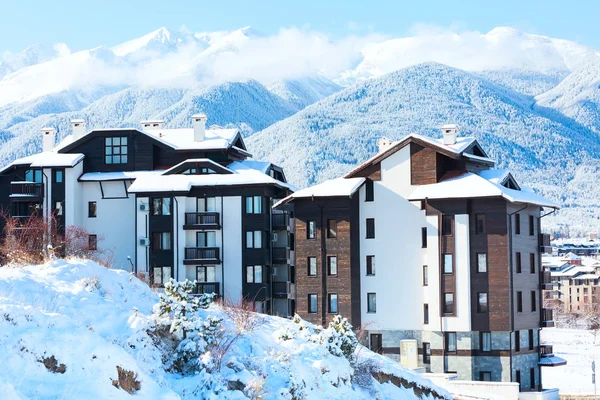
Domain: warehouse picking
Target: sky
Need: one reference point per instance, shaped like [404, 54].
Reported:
[91, 23]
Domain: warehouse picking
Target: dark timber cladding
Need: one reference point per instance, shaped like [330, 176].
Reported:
[428, 165]
[345, 246]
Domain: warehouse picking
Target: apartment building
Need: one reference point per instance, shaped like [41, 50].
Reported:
[427, 241]
[182, 203]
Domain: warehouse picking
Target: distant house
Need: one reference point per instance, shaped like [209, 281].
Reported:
[427, 241]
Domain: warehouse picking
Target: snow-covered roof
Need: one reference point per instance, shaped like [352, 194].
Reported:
[262, 166]
[552, 361]
[340, 187]
[571, 257]
[472, 185]
[47, 159]
[217, 166]
[586, 276]
[116, 176]
[573, 270]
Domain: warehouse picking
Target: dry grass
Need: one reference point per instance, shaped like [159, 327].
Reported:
[52, 365]
[127, 380]
[242, 313]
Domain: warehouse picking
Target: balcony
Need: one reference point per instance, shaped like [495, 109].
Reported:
[547, 320]
[281, 255]
[28, 190]
[544, 242]
[284, 290]
[281, 222]
[201, 255]
[207, 288]
[547, 281]
[202, 220]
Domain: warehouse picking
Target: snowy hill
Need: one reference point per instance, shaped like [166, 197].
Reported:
[66, 326]
[546, 150]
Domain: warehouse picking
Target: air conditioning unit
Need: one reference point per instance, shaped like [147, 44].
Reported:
[274, 237]
[144, 242]
[144, 207]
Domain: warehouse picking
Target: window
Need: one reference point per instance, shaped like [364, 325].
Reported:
[312, 266]
[517, 341]
[532, 377]
[425, 313]
[333, 303]
[312, 303]
[332, 265]
[426, 353]
[161, 206]
[161, 240]
[254, 240]
[531, 225]
[518, 378]
[482, 302]
[425, 276]
[92, 209]
[532, 263]
[375, 340]
[448, 267]
[371, 302]
[207, 204]
[58, 176]
[370, 265]
[447, 225]
[370, 228]
[93, 242]
[450, 339]
[479, 223]
[311, 230]
[254, 274]
[485, 341]
[485, 376]
[533, 301]
[517, 224]
[206, 239]
[369, 191]
[161, 275]
[531, 339]
[519, 301]
[115, 150]
[206, 274]
[58, 208]
[254, 205]
[424, 237]
[33, 175]
[481, 262]
[448, 303]
[518, 262]
[331, 228]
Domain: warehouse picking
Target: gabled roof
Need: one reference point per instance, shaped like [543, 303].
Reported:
[340, 187]
[218, 168]
[463, 146]
[47, 159]
[116, 176]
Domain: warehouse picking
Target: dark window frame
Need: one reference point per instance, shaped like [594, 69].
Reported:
[531, 225]
[531, 339]
[532, 263]
[519, 301]
[157, 206]
[517, 341]
[447, 342]
[480, 224]
[309, 306]
[59, 173]
[253, 269]
[518, 262]
[425, 275]
[482, 342]
[119, 157]
[447, 224]
[162, 268]
[311, 234]
[371, 268]
[158, 241]
[478, 266]
[254, 205]
[517, 224]
[369, 191]
[426, 353]
[444, 263]
[202, 270]
[533, 301]
[329, 308]
[92, 209]
[370, 234]
[425, 314]
[251, 244]
[424, 237]
[370, 309]
[481, 308]
[329, 259]
[448, 308]
[308, 266]
[331, 233]
[92, 241]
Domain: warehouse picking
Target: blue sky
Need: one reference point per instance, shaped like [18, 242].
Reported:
[89, 23]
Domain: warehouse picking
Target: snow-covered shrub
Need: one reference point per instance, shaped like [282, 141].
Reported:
[178, 309]
[340, 339]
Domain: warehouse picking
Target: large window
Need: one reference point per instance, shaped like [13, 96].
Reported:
[371, 302]
[332, 265]
[450, 339]
[33, 175]
[449, 303]
[448, 265]
[479, 223]
[331, 228]
[425, 275]
[447, 225]
[333, 303]
[254, 240]
[370, 228]
[312, 303]
[161, 206]
[481, 262]
[312, 266]
[425, 313]
[206, 239]
[93, 242]
[369, 191]
[370, 265]
[92, 209]
[161, 241]
[254, 205]
[161, 275]
[115, 150]
[485, 341]
[206, 274]
[482, 302]
[59, 175]
[207, 204]
[532, 263]
[424, 237]
[254, 274]
[311, 229]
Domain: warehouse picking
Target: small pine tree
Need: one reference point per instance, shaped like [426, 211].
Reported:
[342, 337]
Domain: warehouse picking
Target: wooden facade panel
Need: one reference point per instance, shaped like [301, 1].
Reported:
[423, 166]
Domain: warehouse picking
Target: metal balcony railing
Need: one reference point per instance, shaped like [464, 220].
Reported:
[26, 189]
[202, 254]
[280, 221]
[201, 219]
[207, 288]
[281, 255]
[547, 318]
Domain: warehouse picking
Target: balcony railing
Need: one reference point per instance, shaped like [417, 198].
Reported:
[281, 255]
[199, 220]
[281, 221]
[26, 189]
[284, 290]
[207, 288]
[544, 242]
[208, 255]
[547, 280]
[547, 318]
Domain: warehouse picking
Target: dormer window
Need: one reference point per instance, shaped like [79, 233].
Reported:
[115, 150]
[198, 171]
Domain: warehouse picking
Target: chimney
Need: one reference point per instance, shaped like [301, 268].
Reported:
[199, 124]
[449, 133]
[78, 128]
[384, 144]
[48, 139]
[151, 125]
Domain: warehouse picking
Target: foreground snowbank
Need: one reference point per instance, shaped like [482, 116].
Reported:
[92, 320]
